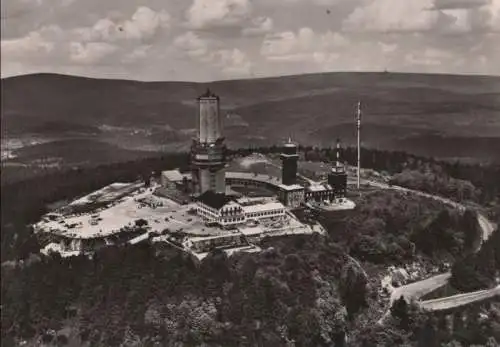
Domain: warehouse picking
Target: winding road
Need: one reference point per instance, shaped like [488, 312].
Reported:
[459, 299]
[415, 290]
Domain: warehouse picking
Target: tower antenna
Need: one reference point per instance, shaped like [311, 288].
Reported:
[358, 128]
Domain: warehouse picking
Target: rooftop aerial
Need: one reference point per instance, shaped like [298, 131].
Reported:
[290, 143]
[208, 94]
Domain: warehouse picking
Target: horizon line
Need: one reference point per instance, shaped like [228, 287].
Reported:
[255, 77]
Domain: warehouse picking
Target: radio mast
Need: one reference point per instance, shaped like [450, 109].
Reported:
[358, 128]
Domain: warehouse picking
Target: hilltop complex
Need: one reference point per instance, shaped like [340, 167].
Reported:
[203, 209]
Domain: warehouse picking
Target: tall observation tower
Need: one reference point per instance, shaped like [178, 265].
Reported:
[289, 159]
[208, 152]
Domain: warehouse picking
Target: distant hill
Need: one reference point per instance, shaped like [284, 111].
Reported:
[433, 115]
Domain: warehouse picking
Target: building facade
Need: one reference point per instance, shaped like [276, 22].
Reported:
[228, 212]
[291, 195]
[319, 193]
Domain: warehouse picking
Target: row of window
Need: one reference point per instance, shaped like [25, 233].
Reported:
[207, 214]
[232, 220]
[231, 211]
[264, 214]
[319, 193]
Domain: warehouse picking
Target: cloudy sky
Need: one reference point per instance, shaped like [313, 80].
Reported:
[202, 40]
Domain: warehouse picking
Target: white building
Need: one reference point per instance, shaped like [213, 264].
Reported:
[228, 212]
[291, 195]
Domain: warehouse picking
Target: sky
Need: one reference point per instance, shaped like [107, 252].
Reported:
[204, 40]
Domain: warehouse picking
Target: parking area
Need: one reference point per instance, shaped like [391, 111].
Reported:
[161, 214]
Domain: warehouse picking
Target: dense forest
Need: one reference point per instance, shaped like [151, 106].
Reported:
[455, 180]
[475, 271]
[301, 291]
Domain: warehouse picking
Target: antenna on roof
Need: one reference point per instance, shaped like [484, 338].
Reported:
[358, 128]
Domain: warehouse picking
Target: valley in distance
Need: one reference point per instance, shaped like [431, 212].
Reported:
[242, 212]
[51, 120]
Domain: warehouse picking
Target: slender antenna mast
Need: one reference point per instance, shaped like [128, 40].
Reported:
[358, 127]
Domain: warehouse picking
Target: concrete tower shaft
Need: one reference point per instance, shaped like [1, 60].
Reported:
[289, 159]
[209, 120]
[208, 152]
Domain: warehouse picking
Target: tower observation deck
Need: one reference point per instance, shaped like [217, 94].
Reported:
[208, 152]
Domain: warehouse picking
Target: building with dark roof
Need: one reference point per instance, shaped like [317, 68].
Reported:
[214, 200]
[227, 211]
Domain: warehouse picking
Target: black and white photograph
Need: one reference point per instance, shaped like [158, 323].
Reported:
[254, 173]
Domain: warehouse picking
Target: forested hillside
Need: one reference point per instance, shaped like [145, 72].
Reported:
[433, 115]
[301, 291]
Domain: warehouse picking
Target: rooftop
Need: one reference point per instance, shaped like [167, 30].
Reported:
[247, 201]
[248, 231]
[172, 175]
[291, 187]
[263, 207]
[256, 177]
[319, 187]
[214, 200]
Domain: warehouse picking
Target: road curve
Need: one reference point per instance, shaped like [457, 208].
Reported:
[416, 290]
[459, 299]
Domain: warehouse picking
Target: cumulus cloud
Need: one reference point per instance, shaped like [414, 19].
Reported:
[210, 39]
[482, 17]
[492, 11]
[91, 52]
[233, 62]
[192, 45]
[137, 54]
[459, 4]
[392, 15]
[313, 2]
[259, 26]
[33, 43]
[14, 9]
[303, 45]
[208, 13]
[143, 25]
[429, 56]
[88, 45]
[145, 22]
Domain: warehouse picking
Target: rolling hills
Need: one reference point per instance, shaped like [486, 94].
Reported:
[446, 116]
